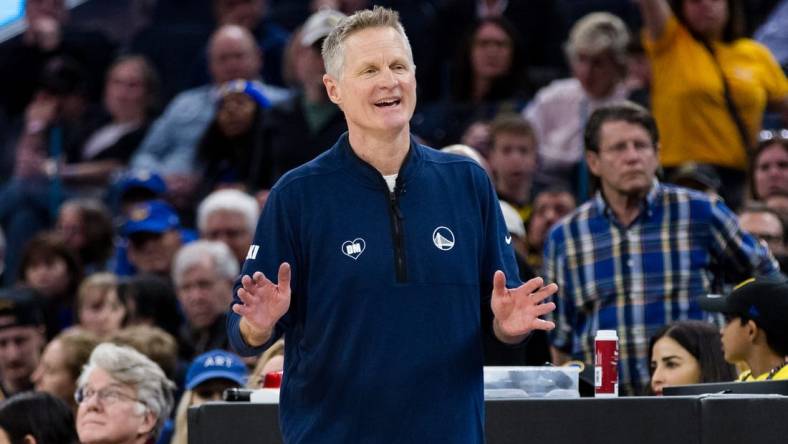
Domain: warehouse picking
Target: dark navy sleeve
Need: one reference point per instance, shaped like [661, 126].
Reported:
[274, 243]
[498, 249]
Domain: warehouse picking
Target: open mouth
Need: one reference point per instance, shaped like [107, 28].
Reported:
[385, 103]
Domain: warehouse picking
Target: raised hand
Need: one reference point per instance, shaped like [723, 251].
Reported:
[263, 303]
[517, 310]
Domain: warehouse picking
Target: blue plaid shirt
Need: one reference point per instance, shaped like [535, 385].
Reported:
[638, 278]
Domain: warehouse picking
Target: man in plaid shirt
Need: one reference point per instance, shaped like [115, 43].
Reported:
[640, 253]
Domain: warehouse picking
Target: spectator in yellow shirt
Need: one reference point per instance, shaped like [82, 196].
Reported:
[710, 87]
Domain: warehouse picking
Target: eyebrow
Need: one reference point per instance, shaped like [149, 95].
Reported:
[667, 358]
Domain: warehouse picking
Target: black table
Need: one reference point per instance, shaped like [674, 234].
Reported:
[716, 419]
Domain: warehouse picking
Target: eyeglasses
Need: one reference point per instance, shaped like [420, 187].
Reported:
[769, 135]
[106, 396]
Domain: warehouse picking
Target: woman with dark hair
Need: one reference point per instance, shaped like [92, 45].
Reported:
[488, 78]
[687, 352]
[769, 167]
[50, 267]
[36, 418]
[710, 86]
[86, 226]
[490, 65]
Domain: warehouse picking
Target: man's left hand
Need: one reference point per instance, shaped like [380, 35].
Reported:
[517, 310]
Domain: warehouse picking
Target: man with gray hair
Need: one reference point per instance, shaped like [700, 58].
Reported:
[203, 272]
[229, 216]
[385, 252]
[123, 397]
[596, 51]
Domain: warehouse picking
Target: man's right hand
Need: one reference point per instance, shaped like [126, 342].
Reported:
[263, 304]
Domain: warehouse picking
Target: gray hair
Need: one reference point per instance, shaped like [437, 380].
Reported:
[229, 200]
[379, 17]
[193, 253]
[132, 368]
[599, 32]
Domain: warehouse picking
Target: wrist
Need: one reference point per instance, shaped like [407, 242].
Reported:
[253, 336]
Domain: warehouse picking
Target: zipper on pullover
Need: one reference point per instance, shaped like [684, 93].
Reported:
[397, 236]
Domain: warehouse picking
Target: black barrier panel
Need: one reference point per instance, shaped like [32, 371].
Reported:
[674, 420]
[738, 419]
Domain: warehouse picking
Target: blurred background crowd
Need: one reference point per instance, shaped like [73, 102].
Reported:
[139, 139]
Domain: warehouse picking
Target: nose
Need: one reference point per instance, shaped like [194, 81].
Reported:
[388, 78]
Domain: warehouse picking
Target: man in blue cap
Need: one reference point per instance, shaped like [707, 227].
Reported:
[154, 234]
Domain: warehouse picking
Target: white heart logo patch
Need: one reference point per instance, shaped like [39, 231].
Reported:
[354, 248]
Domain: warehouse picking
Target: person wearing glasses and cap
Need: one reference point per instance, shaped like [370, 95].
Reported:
[756, 327]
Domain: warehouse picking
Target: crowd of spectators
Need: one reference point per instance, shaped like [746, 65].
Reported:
[135, 165]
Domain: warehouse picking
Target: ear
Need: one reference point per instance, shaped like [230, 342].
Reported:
[148, 423]
[752, 330]
[332, 89]
[592, 160]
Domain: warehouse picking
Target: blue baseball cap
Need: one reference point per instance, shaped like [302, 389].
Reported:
[145, 179]
[248, 87]
[216, 364]
[153, 216]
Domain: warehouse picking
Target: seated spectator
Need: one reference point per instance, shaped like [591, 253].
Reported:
[123, 397]
[101, 308]
[130, 101]
[204, 273]
[687, 352]
[229, 152]
[209, 375]
[47, 35]
[272, 360]
[86, 228]
[549, 206]
[769, 165]
[512, 157]
[36, 418]
[300, 128]
[22, 336]
[756, 327]
[270, 37]
[170, 147]
[488, 79]
[765, 224]
[710, 87]
[53, 270]
[229, 216]
[597, 53]
[154, 235]
[62, 362]
[152, 302]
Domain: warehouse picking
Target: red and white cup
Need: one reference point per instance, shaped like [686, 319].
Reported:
[606, 364]
[273, 380]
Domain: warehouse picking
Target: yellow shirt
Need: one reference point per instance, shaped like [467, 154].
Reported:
[688, 100]
[781, 374]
